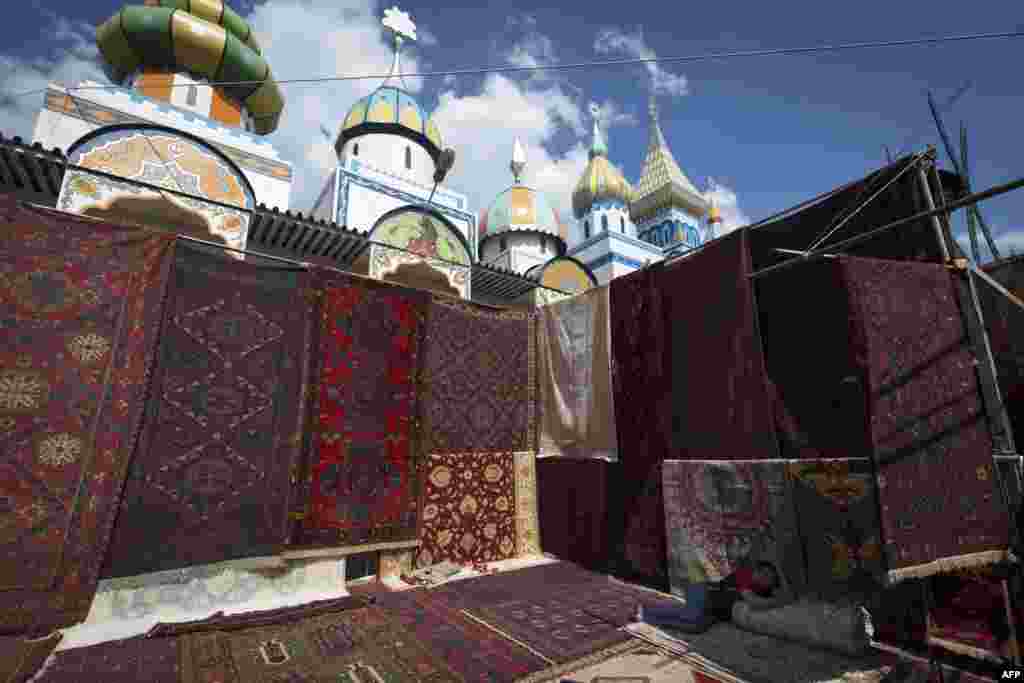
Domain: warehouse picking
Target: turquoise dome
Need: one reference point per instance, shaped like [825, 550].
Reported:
[390, 109]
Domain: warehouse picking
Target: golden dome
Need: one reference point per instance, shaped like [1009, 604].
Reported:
[600, 180]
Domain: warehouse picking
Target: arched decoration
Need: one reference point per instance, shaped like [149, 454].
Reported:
[422, 276]
[164, 157]
[564, 273]
[420, 236]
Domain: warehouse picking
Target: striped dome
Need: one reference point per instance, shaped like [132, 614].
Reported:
[519, 208]
[600, 180]
[391, 110]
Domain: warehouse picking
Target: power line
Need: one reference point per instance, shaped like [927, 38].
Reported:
[609, 63]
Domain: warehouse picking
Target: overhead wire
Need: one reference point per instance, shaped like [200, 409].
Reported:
[689, 59]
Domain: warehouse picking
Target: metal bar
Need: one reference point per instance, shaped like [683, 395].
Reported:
[995, 284]
[930, 203]
[36, 174]
[871, 234]
[16, 172]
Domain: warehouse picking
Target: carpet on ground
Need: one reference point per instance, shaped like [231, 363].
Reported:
[723, 515]
[573, 507]
[765, 659]
[129, 660]
[816, 383]
[346, 639]
[577, 413]
[721, 408]
[479, 379]
[932, 445]
[359, 488]
[128, 606]
[836, 504]
[536, 581]
[223, 426]
[22, 658]
[475, 652]
[80, 309]
[468, 508]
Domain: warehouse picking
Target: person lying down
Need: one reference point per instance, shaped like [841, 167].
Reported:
[760, 585]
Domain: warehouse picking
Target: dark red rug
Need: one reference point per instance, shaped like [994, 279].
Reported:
[130, 660]
[21, 659]
[478, 379]
[932, 447]
[223, 425]
[80, 307]
[572, 502]
[360, 486]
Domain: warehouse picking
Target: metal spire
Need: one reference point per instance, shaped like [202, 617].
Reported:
[657, 138]
[401, 26]
[599, 147]
[518, 161]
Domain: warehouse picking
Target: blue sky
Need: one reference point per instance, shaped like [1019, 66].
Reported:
[774, 130]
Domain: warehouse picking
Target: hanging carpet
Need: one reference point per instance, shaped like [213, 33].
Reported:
[21, 658]
[574, 349]
[468, 509]
[359, 487]
[479, 379]
[80, 309]
[643, 395]
[573, 506]
[723, 515]
[940, 509]
[721, 408]
[223, 425]
[1004, 322]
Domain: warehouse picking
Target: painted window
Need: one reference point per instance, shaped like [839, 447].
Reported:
[604, 222]
[355, 149]
[586, 230]
[192, 94]
[408, 158]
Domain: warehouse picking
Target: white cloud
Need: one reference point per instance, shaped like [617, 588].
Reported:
[1009, 241]
[616, 41]
[610, 113]
[728, 203]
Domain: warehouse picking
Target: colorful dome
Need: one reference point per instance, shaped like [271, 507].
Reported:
[390, 109]
[600, 179]
[519, 208]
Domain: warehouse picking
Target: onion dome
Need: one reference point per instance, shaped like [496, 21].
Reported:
[520, 208]
[203, 37]
[390, 108]
[600, 179]
[662, 183]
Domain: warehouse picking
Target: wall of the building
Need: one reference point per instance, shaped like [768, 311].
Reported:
[663, 229]
[63, 120]
[323, 208]
[612, 254]
[617, 214]
[387, 153]
[524, 250]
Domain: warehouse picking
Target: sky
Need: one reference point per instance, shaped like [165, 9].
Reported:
[771, 131]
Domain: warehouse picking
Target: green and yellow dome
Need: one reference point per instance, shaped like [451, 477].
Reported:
[390, 109]
[600, 180]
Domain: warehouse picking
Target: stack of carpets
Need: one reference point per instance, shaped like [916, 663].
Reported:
[222, 430]
[359, 483]
[80, 306]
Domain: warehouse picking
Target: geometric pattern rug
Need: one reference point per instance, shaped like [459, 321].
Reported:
[80, 306]
[359, 488]
[478, 379]
[932, 445]
[468, 508]
[223, 427]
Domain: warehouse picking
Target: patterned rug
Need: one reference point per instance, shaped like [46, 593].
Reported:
[154, 660]
[223, 424]
[939, 506]
[527, 516]
[341, 640]
[21, 659]
[472, 650]
[479, 379]
[360, 488]
[722, 409]
[468, 508]
[723, 514]
[577, 415]
[837, 507]
[1004, 321]
[643, 422]
[573, 504]
[80, 305]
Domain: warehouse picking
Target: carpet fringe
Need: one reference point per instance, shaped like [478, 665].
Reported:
[946, 565]
[349, 550]
[964, 649]
[553, 672]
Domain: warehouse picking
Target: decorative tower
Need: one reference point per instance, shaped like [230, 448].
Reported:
[714, 228]
[390, 159]
[193, 97]
[520, 230]
[668, 208]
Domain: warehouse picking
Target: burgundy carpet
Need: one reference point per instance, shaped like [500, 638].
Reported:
[572, 502]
